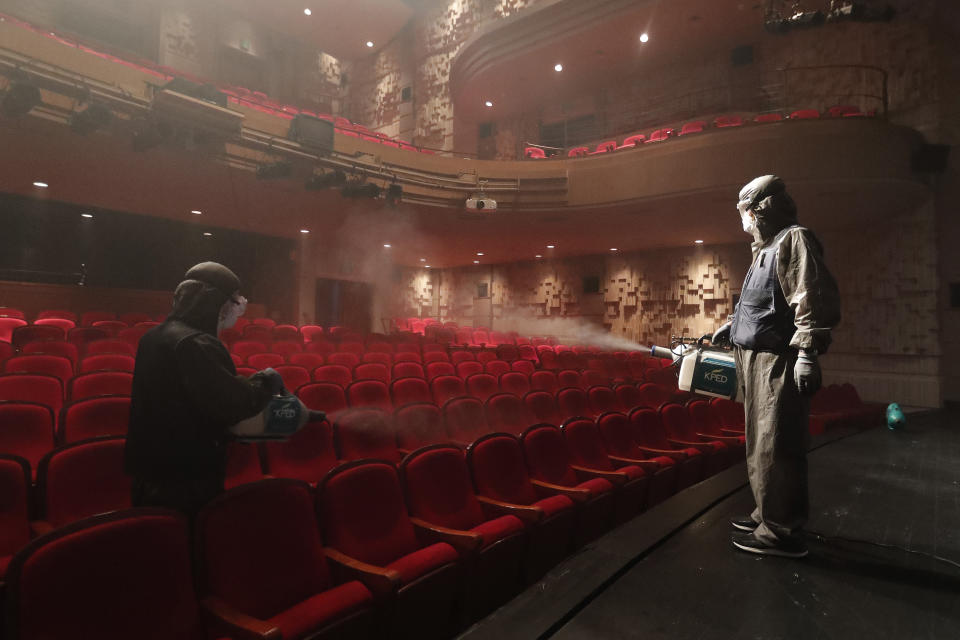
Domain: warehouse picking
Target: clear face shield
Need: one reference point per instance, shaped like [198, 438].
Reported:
[231, 311]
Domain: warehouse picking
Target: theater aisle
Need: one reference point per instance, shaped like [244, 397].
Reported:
[894, 488]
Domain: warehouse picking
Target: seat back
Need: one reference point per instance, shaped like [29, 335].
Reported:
[445, 387]
[628, 396]
[543, 405]
[407, 390]
[15, 484]
[322, 347]
[497, 367]
[112, 327]
[150, 594]
[8, 325]
[546, 454]
[377, 357]
[408, 369]
[328, 397]
[585, 445]
[32, 387]
[464, 419]
[308, 361]
[653, 395]
[261, 571]
[438, 488]
[523, 366]
[362, 512]
[82, 479]
[53, 348]
[619, 435]
[335, 373]
[94, 417]
[243, 464]
[293, 376]
[57, 366]
[603, 399]
[307, 455]
[23, 334]
[372, 371]
[703, 418]
[311, 332]
[676, 420]
[407, 356]
[507, 352]
[246, 348]
[498, 469]
[287, 334]
[468, 368]
[417, 425]
[647, 429]
[544, 381]
[264, 360]
[508, 413]
[573, 401]
[515, 382]
[109, 345]
[568, 378]
[107, 362]
[365, 433]
[482, 385]
[370, 394]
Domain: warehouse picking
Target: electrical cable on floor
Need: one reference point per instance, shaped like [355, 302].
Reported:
[824, 538]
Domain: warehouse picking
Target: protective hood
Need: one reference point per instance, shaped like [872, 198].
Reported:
[773, 207]
[198, 299]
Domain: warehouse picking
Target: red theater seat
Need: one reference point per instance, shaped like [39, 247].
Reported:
[605, 147]
[805, 114]
[515, 382]
[444, 387]
[243, 464]
[322, 347]
[101, 583]
[482, 385]
[11, 312]
[407, 390]
[338, 374]
[286, 334]
[370, 394]
[57, 313]
[425, 574]
[134, 317]
[89, 317]
[308, 361]
[543, 405]
[578, 152]
[107, 362]
[693, 127]
[286, 348]
[109, 345]
[573, 401]
[660, 135]
[408, 370]
[456, 357]
[653, 395]
[28, 430]
[727, 121]
[628, 396]
[15, 484]
[307, 455]
[417, 425]
[80, 336]
[274, 577]
[94, 417]
[61, 323]
[344, 359]
[508, 413]
[768, 117]
[603, 399]
[112, 327]
[293, 376]
[569, 378]
[8, 325]
[523, 366]
[484, 357]
[464, 419]
[35, 333]
[56, 366]
[82, 479]
[707, 425]
[247, 348]
[646, 431]
[439, 491]
[365, 433]
[534, 153]
[263, 360]
[311, 332]
[681, 432]
[430, 357]
[328, 397]
[496, 367]
[632, 141]
[99, 383]
[32, 387]
[132, 335]
[618, 436]
[372, 371]
[544, 381]
[508, 352]
[503, 485]
[407, 356]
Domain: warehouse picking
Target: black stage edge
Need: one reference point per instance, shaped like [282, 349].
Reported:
[672, 573]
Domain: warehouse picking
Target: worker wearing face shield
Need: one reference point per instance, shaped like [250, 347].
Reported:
[186, 395]
[781, 326]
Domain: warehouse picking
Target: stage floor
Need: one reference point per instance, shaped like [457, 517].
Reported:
[883, 504]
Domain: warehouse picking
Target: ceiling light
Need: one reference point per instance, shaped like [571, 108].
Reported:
[613, 248]
[698, 241]
[207, 234]
[551, 246]
[40, 185]
[369, 44]
[644, 37]
[196, 212]
[86, 215]
[480, 253]
[423, 259]
[538, 256]
[307, 12]
[304, 230]
[476, 262]
[488, 103]
[558, 67]
[426, 266]
[386, 246]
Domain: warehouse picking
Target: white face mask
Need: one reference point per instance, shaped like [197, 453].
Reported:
[230, 312]
[747, 218]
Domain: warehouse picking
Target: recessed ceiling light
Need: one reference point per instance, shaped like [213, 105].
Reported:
[488, 103]
[479, 253]
[369, 44]
[558, 67]
[196, 212]
[423, 259]
[307, 12]
[86, 215]
[551, 246]
[538, 256]
[613, 248]
[41, 185]
[644, 37]
[426, 266]
[207, 233]
[698, 241]
[304, 230]
[476, 262]
[387, 246]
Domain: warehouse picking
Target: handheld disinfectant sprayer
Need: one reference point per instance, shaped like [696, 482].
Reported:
[709, 371]
[283, 416]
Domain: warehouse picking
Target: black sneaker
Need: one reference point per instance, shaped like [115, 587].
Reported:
[746, 523]
[786, 548]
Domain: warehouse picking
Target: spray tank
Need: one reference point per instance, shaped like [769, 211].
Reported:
[283, 416]
[708, 371]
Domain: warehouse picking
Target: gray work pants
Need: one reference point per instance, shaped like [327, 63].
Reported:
[777, 440]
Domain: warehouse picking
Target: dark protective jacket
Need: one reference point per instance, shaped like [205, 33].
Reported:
[789, 298]
[186, 394]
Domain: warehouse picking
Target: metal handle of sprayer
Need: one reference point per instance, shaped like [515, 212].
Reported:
[677, 347]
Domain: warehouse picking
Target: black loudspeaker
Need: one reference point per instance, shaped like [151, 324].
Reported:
[312, 132]
[931, 158]
[742, 55]
[206, 92]
[591, 284]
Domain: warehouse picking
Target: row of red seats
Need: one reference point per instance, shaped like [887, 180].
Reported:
[698, 126]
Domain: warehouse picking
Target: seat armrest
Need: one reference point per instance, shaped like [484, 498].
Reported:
[705, 447]
[547, 490]
[679, 456]
[465, 542]
[528, 514]
[403, 452]
[613, 477]
[648, 466]
[382, 582]
[225, 619]
[734, 432]
[40, 527]
[734, 440]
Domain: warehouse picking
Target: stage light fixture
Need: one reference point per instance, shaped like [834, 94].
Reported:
[94, 117]
[558, 67]
[644, 37]
[488, 103]
[369, 44]
[360, 190]
[275, 170]
[334, 178]
[19, 99]
[394, 194]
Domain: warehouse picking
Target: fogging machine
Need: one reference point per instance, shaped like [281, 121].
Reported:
[708, 371]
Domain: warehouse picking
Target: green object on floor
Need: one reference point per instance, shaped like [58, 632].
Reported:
[895, 417]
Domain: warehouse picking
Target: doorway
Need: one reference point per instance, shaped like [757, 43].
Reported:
[344, 303]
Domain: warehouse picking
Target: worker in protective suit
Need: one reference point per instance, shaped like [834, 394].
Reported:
[788, 305]
[186, 395]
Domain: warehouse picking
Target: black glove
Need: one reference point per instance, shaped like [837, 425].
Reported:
[722, 335]
[272, 381]
[806, 373]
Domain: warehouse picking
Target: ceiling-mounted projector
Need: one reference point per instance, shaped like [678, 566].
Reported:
[481, 201]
